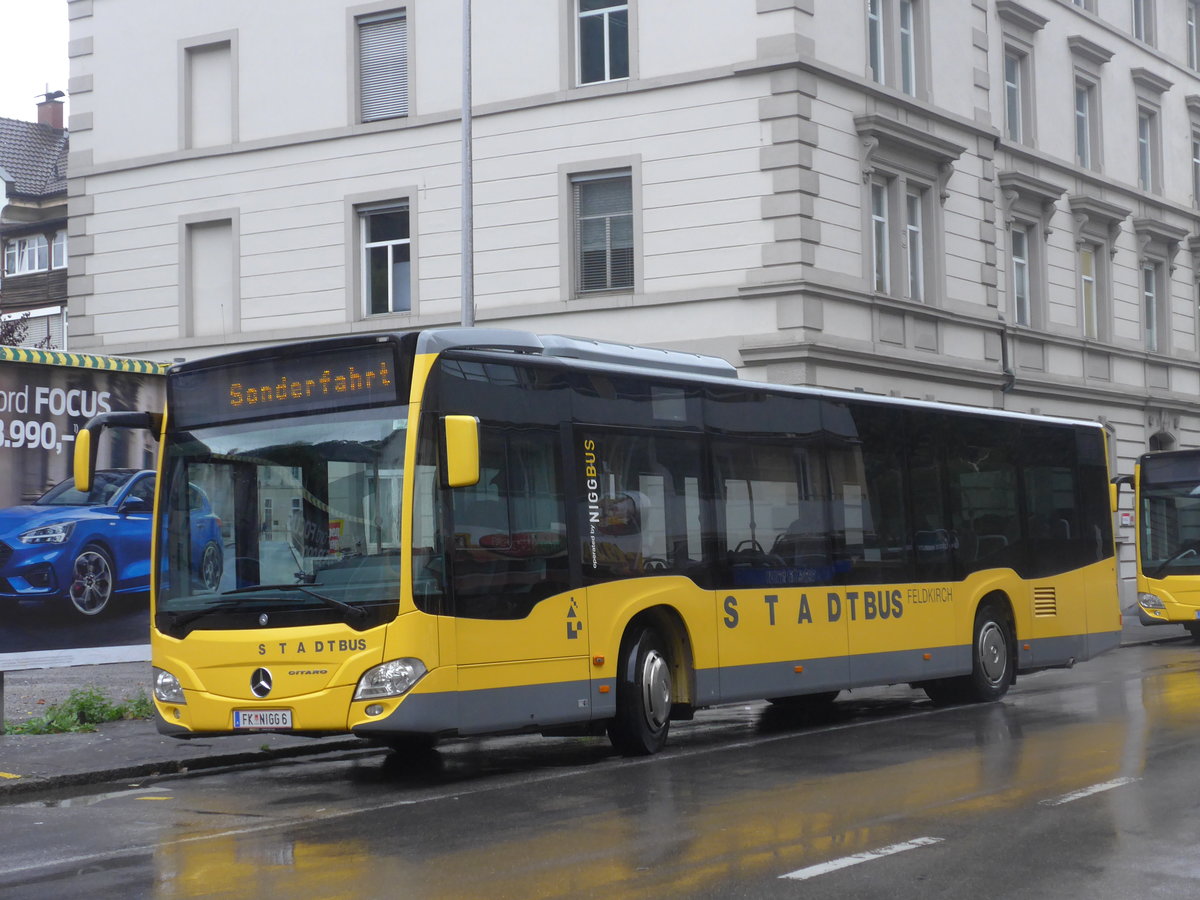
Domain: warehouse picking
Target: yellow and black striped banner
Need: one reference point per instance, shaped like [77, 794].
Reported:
[81, 360]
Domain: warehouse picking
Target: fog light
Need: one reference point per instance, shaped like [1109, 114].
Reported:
[374, 709]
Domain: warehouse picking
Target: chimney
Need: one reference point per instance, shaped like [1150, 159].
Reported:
[50, 110]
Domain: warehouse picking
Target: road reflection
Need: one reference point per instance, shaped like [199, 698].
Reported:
[788, 792]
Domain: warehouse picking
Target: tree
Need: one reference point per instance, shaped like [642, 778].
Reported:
[14, 331]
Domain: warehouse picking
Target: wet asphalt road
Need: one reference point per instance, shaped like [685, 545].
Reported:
[1080, 783]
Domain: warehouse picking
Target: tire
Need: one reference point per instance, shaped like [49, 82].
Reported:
[211, 567]
[92, 581]
[643, 696]
[991, 662]
[1194, 631]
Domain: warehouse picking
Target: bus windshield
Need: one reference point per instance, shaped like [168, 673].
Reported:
[1169, 525]
[292, 520]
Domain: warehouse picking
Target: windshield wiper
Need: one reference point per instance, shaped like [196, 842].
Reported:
[1175, 557]
[356, 612]
[183, 619]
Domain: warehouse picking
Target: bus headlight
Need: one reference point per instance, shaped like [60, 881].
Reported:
[167, 688]
[389, 679]
[1149, 601]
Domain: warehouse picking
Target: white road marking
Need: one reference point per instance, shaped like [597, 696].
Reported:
[1088, 791]
[834, 864]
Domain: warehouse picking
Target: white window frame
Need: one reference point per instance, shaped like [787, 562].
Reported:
[26, 255]
[914, 233]
[604, 13]
[1089, 289]
[1020, 240]
[58, 250]
[896, 38]
[1150, 279]
[382, 42]
[876, 45]
[1148, 142]
[1018, 98]
[1085, 139]
[881, 253]
[365, 213]
[1196, 168]
[1192, 33]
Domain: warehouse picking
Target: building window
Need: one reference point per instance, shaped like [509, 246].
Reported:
[1019, 242]
[1196, 169]
[1088, 294]
[58, 251]
[914, 235]
[875, 40]
[1014, 95]
[908, 49]
[1150, 305]
[1192, 26]
[1143, 20]
[880, 250]
[603, 41]
[383, 66]
[894, 44]
[25, 255]
[1085, 101]
[1089, 5]
[1147, 149]
[603, 213]
[387, 263]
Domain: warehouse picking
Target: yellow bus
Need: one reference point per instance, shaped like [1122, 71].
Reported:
[1167, 491]
[478, 531]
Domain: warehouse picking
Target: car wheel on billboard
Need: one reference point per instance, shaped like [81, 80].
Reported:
[211, 567]
[91, 580]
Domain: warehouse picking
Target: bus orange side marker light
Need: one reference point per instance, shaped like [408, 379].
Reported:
[597, 660]
[927, 656]
[1026, 646]
[603, 688]
[798, 669]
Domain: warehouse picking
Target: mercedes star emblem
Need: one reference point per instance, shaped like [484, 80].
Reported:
[260, 683]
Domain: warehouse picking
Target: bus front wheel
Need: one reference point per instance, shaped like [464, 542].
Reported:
[643, 696]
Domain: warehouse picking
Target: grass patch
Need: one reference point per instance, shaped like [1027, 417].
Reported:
[83, 710]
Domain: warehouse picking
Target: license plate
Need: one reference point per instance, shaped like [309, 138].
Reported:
[250, 719]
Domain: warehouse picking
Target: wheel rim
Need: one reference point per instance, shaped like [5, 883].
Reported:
[210, 568]
[993, 653]
[91, 582]
[656, 690]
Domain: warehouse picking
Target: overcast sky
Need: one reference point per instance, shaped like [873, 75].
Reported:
[33, 54]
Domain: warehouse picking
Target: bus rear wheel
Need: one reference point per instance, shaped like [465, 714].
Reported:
[991, 662]
[643, 696]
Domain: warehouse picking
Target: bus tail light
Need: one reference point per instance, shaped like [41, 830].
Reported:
[389, 679]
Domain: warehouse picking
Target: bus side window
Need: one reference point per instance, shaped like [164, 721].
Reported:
[642, 508]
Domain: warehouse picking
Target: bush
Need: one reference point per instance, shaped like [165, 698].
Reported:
[83, 710]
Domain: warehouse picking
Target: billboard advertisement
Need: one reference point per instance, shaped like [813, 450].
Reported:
[74, 568]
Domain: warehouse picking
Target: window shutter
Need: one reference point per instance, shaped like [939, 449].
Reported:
[383, 67]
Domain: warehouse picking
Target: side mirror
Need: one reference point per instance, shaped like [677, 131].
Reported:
[84, 461]
[460, 439]
[134, 504]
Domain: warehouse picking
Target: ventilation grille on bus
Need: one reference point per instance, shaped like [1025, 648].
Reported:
[1045, 601]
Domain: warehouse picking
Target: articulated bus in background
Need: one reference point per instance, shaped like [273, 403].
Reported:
[473, 531]
[1167, 491]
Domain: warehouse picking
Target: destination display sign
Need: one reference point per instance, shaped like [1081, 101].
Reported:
[316, 381]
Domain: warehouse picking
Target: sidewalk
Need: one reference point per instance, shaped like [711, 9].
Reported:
[133, 749]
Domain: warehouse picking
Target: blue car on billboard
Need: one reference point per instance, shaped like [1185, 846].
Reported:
[88, 549]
